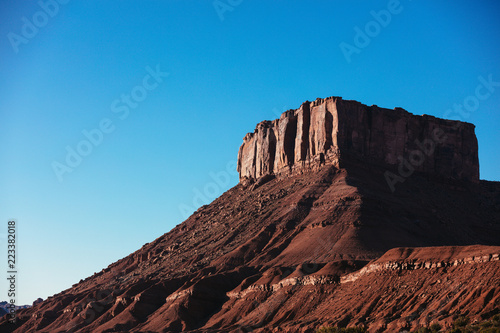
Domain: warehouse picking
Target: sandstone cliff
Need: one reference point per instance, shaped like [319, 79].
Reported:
[332, 247]
[334, 130]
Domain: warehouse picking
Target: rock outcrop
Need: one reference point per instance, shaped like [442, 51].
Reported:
[334, 130]
[333, 247]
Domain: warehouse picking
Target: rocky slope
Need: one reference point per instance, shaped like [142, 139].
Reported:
[329, 245]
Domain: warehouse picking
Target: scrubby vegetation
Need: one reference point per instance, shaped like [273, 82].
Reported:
[463, 325]
[460, 325]
[433, 328]
[341, 330]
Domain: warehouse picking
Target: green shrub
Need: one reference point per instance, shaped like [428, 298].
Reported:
[341, 330]
[456, 330]
[423, 330]
[461, 322]
[435, 327]
[460, 325]
[486, 324]
[490, 330]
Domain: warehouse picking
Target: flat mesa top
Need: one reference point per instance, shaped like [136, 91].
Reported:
[331, 130]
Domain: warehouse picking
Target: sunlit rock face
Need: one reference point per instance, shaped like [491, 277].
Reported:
[334, 131]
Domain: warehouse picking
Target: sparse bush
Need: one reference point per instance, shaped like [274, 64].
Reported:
[490, 330]
[486, 324]
[461, 322]
[341, 330]
[460, 325]
[455, 330]
[435, 327]
[423, 330]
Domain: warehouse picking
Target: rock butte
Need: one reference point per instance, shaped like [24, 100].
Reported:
[333, 130]
[312, 236]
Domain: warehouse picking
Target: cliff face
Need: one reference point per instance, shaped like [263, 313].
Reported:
[334, 130]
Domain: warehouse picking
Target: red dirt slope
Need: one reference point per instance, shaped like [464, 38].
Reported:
[277, 254]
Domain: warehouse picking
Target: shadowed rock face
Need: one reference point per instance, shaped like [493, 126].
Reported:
[333, 131]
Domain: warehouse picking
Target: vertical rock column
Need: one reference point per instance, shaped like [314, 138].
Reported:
[303, 115]
[246, 157]
[285, 145]
[265, 150]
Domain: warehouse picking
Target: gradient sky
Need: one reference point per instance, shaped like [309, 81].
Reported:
[227, 71]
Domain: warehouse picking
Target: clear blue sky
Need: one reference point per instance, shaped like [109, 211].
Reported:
[227, 72]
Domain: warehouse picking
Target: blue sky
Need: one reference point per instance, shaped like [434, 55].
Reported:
[172, 140]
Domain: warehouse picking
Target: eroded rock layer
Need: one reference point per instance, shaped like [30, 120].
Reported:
[333, 130]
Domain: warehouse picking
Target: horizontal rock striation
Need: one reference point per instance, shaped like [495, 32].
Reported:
[334, 130]
[415, 264]
[490, 254]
